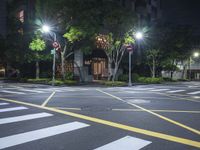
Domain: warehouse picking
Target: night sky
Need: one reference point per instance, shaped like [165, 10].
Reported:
[181, 11]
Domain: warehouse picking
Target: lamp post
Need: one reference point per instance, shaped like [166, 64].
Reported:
[55, 44]
[195, 55]
[130, 51]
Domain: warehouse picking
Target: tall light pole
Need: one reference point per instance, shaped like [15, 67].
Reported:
[130, 51]
[195, 55]
[138, 36]
[55, 44]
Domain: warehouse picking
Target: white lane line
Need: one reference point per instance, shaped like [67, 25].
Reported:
[24, 117]
[175, 91]
[143, 89]
[12, 92]
[48, 99]
[159, 90]
[4, 104]
[125, 143]
[13, 109]
[35, 91]
[193, 93]
[39, 134]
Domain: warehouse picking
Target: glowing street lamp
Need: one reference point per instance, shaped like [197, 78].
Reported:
[47, 29]
[139, 35]
[196, 54]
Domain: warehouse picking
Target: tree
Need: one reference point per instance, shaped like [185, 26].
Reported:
[174, 43]
[114, 49]
[152, 57]
[37, 45]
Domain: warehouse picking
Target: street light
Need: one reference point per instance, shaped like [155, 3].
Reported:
[46, 29]
[195, 55]
[138, 36]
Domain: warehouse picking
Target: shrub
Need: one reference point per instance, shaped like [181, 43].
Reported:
[150, 80]
[41, 80]
[169, 79]
[125, 78]
[116, 83]
[135, 77]
[69, 76]
[183, 80]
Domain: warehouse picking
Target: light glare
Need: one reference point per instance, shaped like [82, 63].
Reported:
[196, 54]
[138, 35]
[45, 28]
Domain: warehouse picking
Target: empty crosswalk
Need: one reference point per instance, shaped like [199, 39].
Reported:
[32, 135]
[25, 91]
[163, 90]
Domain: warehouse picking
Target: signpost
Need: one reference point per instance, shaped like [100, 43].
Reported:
[130, 50]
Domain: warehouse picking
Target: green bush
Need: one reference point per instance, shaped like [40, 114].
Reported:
[183, 80]
[167, 79]
[65, 82]
[125, 78]
[135, 77]
[116, 83]
[150, 80]
[40, 80]
[69, 76]
[70, 82]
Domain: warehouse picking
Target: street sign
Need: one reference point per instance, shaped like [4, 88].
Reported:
[55, 44]
[129, 48]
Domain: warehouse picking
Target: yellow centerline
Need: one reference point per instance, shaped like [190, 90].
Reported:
[113, 124]
[153, 113]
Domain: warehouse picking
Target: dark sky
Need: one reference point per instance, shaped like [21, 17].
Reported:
[182, 11]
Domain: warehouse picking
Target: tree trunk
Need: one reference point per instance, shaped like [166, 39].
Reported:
[172, 72]
[115, 72]
[79, 70]
[63, 65]
[37, 75]
[109, 69]
[154, 69]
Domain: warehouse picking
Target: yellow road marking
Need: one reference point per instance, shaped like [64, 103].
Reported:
[156, 110]
[48, 99]
[113, 124]
[155, 114]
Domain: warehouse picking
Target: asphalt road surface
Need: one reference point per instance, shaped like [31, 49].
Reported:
[141, 117]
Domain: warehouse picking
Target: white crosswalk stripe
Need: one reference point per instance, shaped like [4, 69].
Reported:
[193, 93]
[39, 134]
[175, 91]
[13, 109]
[32, 90]
[1, 104]
[125, 143]
[12, 92]
[24, 117]
[159, 90]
